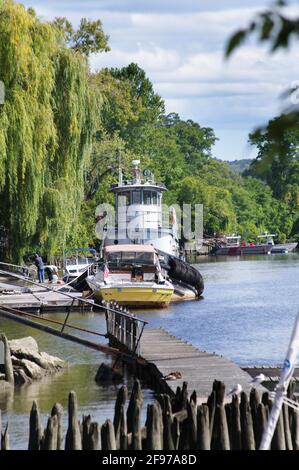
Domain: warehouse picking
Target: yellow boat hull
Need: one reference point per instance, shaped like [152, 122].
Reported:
[137, 296]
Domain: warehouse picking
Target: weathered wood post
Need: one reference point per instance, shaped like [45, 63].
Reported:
[5, 439]
[235, 430]
[261, 423]
[191, 423]
[108, 436]
[133, 416]
[8, 367]
[287, 429]
[211, 402]
[119, 422]
[254, 400]
[73, 439]
[176, 432]
[35, 428]
[91, 439]
[248, 442]
[165, 403]
[220, 435]
[50, 436]
[203, 428]
[154, 440]
[57, 411]
[135, 395]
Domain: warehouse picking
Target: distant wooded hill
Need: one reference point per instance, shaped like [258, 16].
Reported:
[240, 165]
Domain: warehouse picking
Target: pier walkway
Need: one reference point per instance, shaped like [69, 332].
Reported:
[165, 354]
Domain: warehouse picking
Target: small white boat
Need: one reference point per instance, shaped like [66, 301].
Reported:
[131, 275]
[77, 261]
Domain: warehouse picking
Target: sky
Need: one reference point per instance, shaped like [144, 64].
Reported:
[180, 44]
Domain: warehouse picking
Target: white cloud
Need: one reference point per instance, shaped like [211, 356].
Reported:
[181, 45]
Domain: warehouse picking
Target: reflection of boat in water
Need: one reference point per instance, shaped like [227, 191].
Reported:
[265, 246]
[131, 275]
[140, 222]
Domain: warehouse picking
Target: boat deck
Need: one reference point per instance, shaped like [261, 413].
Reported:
[166, 354]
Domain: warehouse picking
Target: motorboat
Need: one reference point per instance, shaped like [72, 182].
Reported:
[233, 246]
[77, 261]
[131, 275]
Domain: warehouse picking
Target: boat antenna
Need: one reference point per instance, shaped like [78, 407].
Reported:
[120, 172]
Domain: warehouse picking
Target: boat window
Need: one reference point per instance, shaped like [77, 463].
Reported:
[126, 259]
[147, 198]
[154, 198]
[123, 199]
[136, 197]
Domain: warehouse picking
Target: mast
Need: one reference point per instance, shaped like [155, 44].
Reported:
[120, 172]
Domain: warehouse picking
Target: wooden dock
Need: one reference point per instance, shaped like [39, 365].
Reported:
[164, 354]
[41, 301]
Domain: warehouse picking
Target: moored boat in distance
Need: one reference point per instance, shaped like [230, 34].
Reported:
[76, 261]
[233, 246]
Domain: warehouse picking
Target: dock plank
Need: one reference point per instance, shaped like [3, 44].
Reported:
[199, 368]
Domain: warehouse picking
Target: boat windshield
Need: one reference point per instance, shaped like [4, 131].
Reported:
[123, 259]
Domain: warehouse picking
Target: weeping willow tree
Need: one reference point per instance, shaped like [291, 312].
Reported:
[46, 128]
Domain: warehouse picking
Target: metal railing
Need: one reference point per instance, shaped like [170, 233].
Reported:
[124, 329]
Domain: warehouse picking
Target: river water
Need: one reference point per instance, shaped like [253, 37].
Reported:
[246, 313]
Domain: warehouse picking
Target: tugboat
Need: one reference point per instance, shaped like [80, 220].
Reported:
[139, 226]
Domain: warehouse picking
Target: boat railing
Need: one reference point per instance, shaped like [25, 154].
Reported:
[124, 330]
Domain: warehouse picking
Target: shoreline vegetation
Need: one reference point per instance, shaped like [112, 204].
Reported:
[64, 128]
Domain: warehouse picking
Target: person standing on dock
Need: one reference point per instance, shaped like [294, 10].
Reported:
[40, 268]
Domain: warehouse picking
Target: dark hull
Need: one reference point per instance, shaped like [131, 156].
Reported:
[182, 273]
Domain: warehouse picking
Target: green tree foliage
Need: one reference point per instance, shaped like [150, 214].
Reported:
[88, 39]
[46, 126]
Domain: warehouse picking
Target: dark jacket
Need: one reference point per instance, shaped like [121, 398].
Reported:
[39, 262]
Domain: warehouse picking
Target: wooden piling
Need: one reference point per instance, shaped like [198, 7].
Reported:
[5, 439]
[8, 367]
[119, 421]
[235, 429]
[203, 428]
[57, 411]
[248, 442]
[50, 437]
[35, 428]
[261, 423]
[154, 439]
[73, 436]
[108, 436]
[286, 425]
[135, 395]
[165, 403]
[220, 435]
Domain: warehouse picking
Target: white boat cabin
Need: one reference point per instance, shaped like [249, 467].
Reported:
[139, 214]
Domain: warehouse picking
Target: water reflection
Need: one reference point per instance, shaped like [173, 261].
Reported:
[246, 313]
